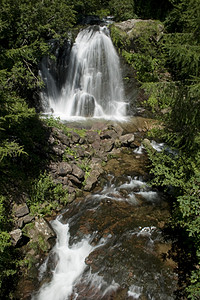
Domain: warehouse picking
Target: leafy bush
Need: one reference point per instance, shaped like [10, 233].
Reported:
[46, 195]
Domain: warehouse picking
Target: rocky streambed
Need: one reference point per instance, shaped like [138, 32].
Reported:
[105, 173]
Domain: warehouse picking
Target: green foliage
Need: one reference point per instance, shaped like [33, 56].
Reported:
[119, 38]
[122, 10]
[7, 255]
[56, 122]
[174, 95]
[146, 58]
[46, 195]
[152, 9]
[69, 152]
[178, 173]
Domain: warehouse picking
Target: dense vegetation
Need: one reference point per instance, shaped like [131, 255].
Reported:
[166, 60]
[168, 70]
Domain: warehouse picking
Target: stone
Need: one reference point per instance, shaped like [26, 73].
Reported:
[96, 145]
[57, 150]
[118, 129]
[53, 167]
[74, 180]
[64, 139]
[92, 136]
[92, 179]
[147, 143]
[78, 172]
[127, 139]
[25, 220]
[16, 236]
[41, 228]
[108, 134]
[20, 210]
[75, 137]
[64, 168]
[107, 145]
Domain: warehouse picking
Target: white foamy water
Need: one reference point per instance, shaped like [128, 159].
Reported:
[133, 183]
[93, 87]
[135, 291]
[70, 265]
[149, 195]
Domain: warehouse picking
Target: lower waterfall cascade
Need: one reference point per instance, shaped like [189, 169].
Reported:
[106, 249]
[93, 86]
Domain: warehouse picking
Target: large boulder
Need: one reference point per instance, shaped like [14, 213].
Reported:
[137, 27]
[16, 236]
[92, 179]
[41, 233]
[78, 172]
[64, 168]
[126, 139]
[20, 210]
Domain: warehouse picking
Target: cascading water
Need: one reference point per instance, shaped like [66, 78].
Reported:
[93, 86]
[106, 249]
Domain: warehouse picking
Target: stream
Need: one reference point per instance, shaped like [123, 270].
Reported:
[110, 244]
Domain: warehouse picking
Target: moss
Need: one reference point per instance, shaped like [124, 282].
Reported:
[119, 37]
[148, 28]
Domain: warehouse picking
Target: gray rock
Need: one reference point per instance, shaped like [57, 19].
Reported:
[74, 180]
[64, 168]
[64, 139]
[20, 210]
[147, 144]
[57, 150]
[118, 129]
[127, 139]
[41, 228]
[107, 145]
[109, 134]
[75, 137]
[25, 220]
[96, 145]
[16, 236]
[92, 179]
[78, 172]
[92, 136]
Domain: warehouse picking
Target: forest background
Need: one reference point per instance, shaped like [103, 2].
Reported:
[168, 71]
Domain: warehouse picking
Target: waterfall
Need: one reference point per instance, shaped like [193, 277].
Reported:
[93, 86]
[70, 265]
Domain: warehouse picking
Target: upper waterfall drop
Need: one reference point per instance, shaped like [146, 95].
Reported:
[93, 86]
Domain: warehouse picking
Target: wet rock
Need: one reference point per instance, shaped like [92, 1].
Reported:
[148, 145]
[20, 210]
[127, 139]
[58, 151]
[41, 228]
[108, 134]
[72, 197]
[118, 129]
[16, 236]
[75, 137]
[92, 179]
[92, 136]
[64, 139]
[78, 172]
[96, 145]
[75, 180]
[64, 168]
[24, 220]
[107, 145]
